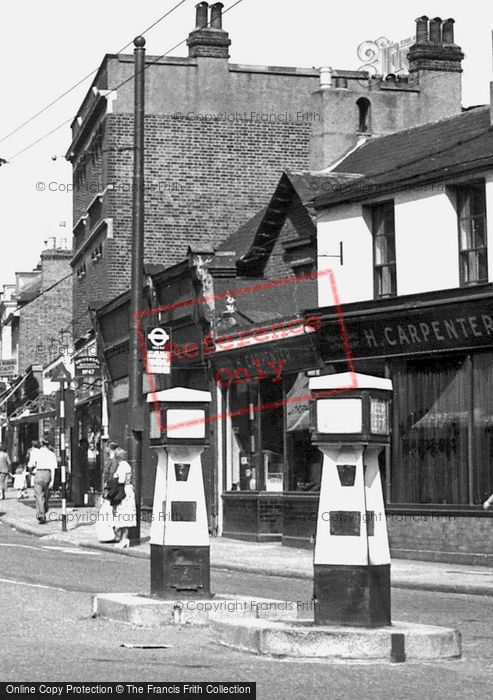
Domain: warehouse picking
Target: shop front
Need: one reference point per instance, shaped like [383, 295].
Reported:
[88, 432]
[266, 452]
[438, 350]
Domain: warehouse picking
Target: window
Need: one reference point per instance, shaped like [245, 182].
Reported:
[364, 112]
[383, 230]
[443, 428]
[81, 271]
[471, 214]
[97, 253]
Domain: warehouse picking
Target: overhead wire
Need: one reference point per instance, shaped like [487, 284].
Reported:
[114, 89]
[81, 80]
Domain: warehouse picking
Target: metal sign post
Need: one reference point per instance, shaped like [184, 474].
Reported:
[62, 376]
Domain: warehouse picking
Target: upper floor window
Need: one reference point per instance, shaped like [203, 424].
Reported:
[383, 230]
[364, 113]
[473, 251]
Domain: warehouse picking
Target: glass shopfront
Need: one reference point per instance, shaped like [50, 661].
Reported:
[443, 430]
[270, 447]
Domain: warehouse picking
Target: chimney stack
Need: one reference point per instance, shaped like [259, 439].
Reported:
[434, 49]
[208, 39]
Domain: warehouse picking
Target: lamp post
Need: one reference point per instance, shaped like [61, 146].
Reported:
[135, 402]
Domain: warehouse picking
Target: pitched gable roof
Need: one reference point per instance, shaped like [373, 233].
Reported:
[425, 153]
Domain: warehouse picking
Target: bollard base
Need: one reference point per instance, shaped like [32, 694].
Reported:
[352, 595]
[180, 571]
[398, 642]
[149, 611]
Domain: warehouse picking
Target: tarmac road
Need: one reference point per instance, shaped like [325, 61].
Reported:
[47, 632]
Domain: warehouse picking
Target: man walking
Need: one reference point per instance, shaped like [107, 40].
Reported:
[44, 476]
[4, 470]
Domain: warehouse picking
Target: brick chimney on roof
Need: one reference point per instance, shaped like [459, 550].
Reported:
[208, 39]
[435, 49]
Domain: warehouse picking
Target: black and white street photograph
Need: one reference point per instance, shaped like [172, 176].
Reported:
[246, 350]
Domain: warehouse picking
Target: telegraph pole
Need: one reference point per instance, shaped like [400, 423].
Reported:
[135, 403]
[63, 457]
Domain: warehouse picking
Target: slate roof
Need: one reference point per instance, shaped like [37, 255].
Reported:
[426, 153]
[261, 301]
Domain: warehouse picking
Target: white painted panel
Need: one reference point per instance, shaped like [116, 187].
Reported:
[339, 415]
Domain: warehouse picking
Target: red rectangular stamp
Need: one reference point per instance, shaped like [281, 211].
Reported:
[244, 352]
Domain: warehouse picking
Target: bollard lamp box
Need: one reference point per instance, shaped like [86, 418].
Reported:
[179, 415]
[350, 408]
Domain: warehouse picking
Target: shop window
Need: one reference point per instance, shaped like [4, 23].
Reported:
[443, 423]
[482, 437]
[384, 266]
[471, 215]
[304, 460]
[270, 449]
[431, 404]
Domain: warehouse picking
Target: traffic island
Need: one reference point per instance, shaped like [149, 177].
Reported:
[147, 611]
[301, 639]
[351, 584]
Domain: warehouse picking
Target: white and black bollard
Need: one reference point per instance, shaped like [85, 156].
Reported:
[179, 537]
[352, 558]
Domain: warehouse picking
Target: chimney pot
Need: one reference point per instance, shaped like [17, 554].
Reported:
[217, 15]
[325, 77]
[201, 14]
[448, 31]
[436, 30]
[422, 29]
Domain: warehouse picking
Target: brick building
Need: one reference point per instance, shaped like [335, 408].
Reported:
[39, 329]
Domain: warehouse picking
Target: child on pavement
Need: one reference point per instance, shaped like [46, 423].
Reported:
[20, 482]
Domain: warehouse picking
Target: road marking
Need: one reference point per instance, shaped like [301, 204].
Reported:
[25, 546]
[34, 585]
[72, 550]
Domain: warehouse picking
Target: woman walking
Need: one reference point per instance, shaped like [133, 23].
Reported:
[126, 511]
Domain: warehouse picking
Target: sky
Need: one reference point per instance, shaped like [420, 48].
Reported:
[48, 47]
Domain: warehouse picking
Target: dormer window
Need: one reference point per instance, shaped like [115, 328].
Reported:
[364, 114]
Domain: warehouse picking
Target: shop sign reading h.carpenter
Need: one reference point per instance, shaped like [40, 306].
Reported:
[414, 331]
[267, 352]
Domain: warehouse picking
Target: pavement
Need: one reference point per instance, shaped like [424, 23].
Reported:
[270, 559]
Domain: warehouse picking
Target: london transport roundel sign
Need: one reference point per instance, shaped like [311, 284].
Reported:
[158, 350]
[157, 338]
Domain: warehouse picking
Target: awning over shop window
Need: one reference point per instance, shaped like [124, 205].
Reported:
[33, 410]
[297, 412]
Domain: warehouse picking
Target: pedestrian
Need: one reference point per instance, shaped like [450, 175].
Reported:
[44, 476]
[31, 457]
[20, 481]
[4, 470]
[125, 515]
[111, 464]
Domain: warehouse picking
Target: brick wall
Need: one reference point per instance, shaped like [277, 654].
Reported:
[41, 322]
[203, 181]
